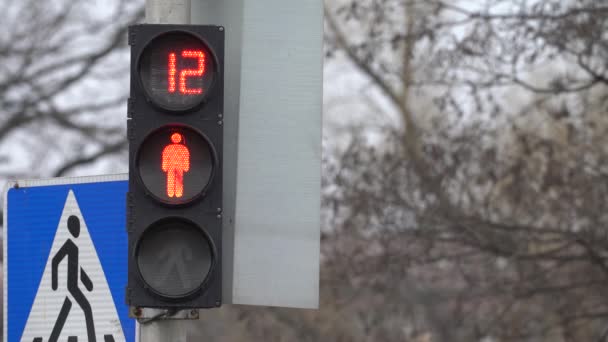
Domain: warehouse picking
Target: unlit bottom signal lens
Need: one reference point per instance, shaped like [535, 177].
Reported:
[174, 258]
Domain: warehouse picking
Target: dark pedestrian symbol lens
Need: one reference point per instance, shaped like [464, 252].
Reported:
[174, 257]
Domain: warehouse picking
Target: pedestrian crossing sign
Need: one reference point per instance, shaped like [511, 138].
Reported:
[65, 253]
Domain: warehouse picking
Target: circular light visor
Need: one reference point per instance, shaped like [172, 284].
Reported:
[175, 164]
[177, 71]
[174, 257]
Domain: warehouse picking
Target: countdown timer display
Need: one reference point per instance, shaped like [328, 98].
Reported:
[177, 71]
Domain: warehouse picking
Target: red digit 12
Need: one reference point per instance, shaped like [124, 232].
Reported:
[184, 74]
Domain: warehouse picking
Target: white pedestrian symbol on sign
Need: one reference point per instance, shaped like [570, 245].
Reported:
[73, 301]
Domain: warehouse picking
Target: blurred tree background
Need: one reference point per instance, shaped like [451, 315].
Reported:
[463, 170]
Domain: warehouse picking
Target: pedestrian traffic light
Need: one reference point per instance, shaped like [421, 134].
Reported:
[174, 204]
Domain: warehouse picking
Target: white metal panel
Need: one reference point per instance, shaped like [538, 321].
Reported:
[227, 13]
[275, 247]
[276, 241]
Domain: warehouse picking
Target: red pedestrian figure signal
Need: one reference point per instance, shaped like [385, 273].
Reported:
[175, 162]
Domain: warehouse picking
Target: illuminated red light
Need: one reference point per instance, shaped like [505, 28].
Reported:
[175, 162]
[172, 71]
[184, 74]
[192, 72]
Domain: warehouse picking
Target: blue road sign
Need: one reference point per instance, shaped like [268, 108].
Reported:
[65, 253]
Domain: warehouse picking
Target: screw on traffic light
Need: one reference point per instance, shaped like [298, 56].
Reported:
[174, 204]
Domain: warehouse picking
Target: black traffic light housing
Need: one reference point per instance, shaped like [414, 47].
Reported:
[175, 132]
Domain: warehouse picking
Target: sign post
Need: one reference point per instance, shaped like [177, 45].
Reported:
[167, 12]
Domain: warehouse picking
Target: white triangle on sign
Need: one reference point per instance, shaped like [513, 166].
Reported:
[49, 303]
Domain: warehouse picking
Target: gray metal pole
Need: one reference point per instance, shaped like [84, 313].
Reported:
[168, 11]
[165, 12]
